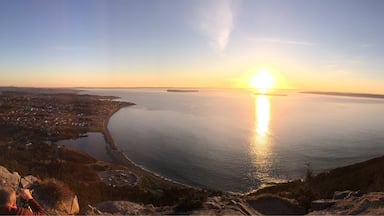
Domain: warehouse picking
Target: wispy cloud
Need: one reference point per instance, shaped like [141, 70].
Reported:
[68, 48]
[215, 21]
[366, 45]
[287, 42]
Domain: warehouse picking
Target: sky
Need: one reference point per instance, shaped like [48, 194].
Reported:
[328, 45]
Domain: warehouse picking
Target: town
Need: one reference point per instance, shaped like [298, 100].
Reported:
[42, 117]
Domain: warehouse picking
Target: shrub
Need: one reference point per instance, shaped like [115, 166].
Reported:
[52, 191]
[186, 205]
[309, 174]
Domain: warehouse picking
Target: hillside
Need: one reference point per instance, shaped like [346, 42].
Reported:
[78, 174]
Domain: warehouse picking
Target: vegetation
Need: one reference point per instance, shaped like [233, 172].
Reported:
[52, 189]
[63, 170]
[189, 200]
[77, 172]
[27, 119]
[365, 177]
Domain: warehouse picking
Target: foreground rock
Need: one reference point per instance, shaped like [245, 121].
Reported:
[218, 205]
[224, 205]
[368, 204]
[274, 205]
[125, 208]
[63, 206]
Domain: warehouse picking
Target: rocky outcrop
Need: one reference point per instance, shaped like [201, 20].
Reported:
[125, 208]
[342, 203]
[225, 205]
[368, 204]
[218, 205]
[274, 205]
[69, 205]
[12, 179]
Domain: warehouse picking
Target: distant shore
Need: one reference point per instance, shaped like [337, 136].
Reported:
[182, 90]
[364, 95]
[119, 157]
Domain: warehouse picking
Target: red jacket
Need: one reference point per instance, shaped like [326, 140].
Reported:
[35, 206]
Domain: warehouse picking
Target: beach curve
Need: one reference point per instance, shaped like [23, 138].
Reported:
[119, 157]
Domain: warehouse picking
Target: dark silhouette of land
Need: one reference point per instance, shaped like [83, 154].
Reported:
[182, 90]
[345, 94]
[34, 116]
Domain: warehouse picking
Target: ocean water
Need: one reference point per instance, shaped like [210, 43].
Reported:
[94, 144]
[237, 141]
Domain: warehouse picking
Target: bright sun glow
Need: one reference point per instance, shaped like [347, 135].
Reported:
[262, 80]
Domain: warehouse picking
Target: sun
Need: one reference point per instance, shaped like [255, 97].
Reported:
[262, 80]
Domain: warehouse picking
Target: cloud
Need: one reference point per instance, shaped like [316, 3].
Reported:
[68, 48]
[366, 45]
[214, 20]
[287, 42]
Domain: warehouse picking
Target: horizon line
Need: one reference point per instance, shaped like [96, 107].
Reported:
[195, 88]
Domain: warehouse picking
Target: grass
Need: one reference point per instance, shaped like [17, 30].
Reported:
[50, 190]
[77, 172]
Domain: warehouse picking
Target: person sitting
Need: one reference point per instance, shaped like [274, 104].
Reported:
[8, 203]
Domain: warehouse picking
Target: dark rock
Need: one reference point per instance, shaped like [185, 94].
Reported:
[274, 205]
[346, 194]
[321, 204]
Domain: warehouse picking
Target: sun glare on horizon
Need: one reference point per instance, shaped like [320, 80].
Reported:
[262, 81]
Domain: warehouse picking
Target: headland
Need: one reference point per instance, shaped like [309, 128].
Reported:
[346, 94]
[32, 121]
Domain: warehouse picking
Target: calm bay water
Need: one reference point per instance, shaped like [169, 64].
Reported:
[94, 145]
[238, 141]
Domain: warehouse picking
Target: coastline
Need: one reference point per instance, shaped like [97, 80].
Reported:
[116, 155]
[346, 94]
[105, 131]
[119, 157]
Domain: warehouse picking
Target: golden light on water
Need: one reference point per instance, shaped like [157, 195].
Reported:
[260, 143]
[262, 116]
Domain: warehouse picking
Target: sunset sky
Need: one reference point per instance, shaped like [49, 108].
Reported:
[332, 45]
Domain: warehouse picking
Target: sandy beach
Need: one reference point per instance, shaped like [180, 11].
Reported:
[119, 157]
[112, 149]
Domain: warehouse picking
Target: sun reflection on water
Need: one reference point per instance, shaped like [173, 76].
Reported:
[262, 117]
[260, 143]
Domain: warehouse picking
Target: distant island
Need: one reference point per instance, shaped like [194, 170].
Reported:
[366, 95]
[182, 90]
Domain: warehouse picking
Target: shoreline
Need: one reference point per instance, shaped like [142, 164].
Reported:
[119, 157]
[116, 154]
[346, 94]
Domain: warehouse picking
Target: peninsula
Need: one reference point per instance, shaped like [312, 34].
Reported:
[32, 120]
[31, 116]
[346, 94]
